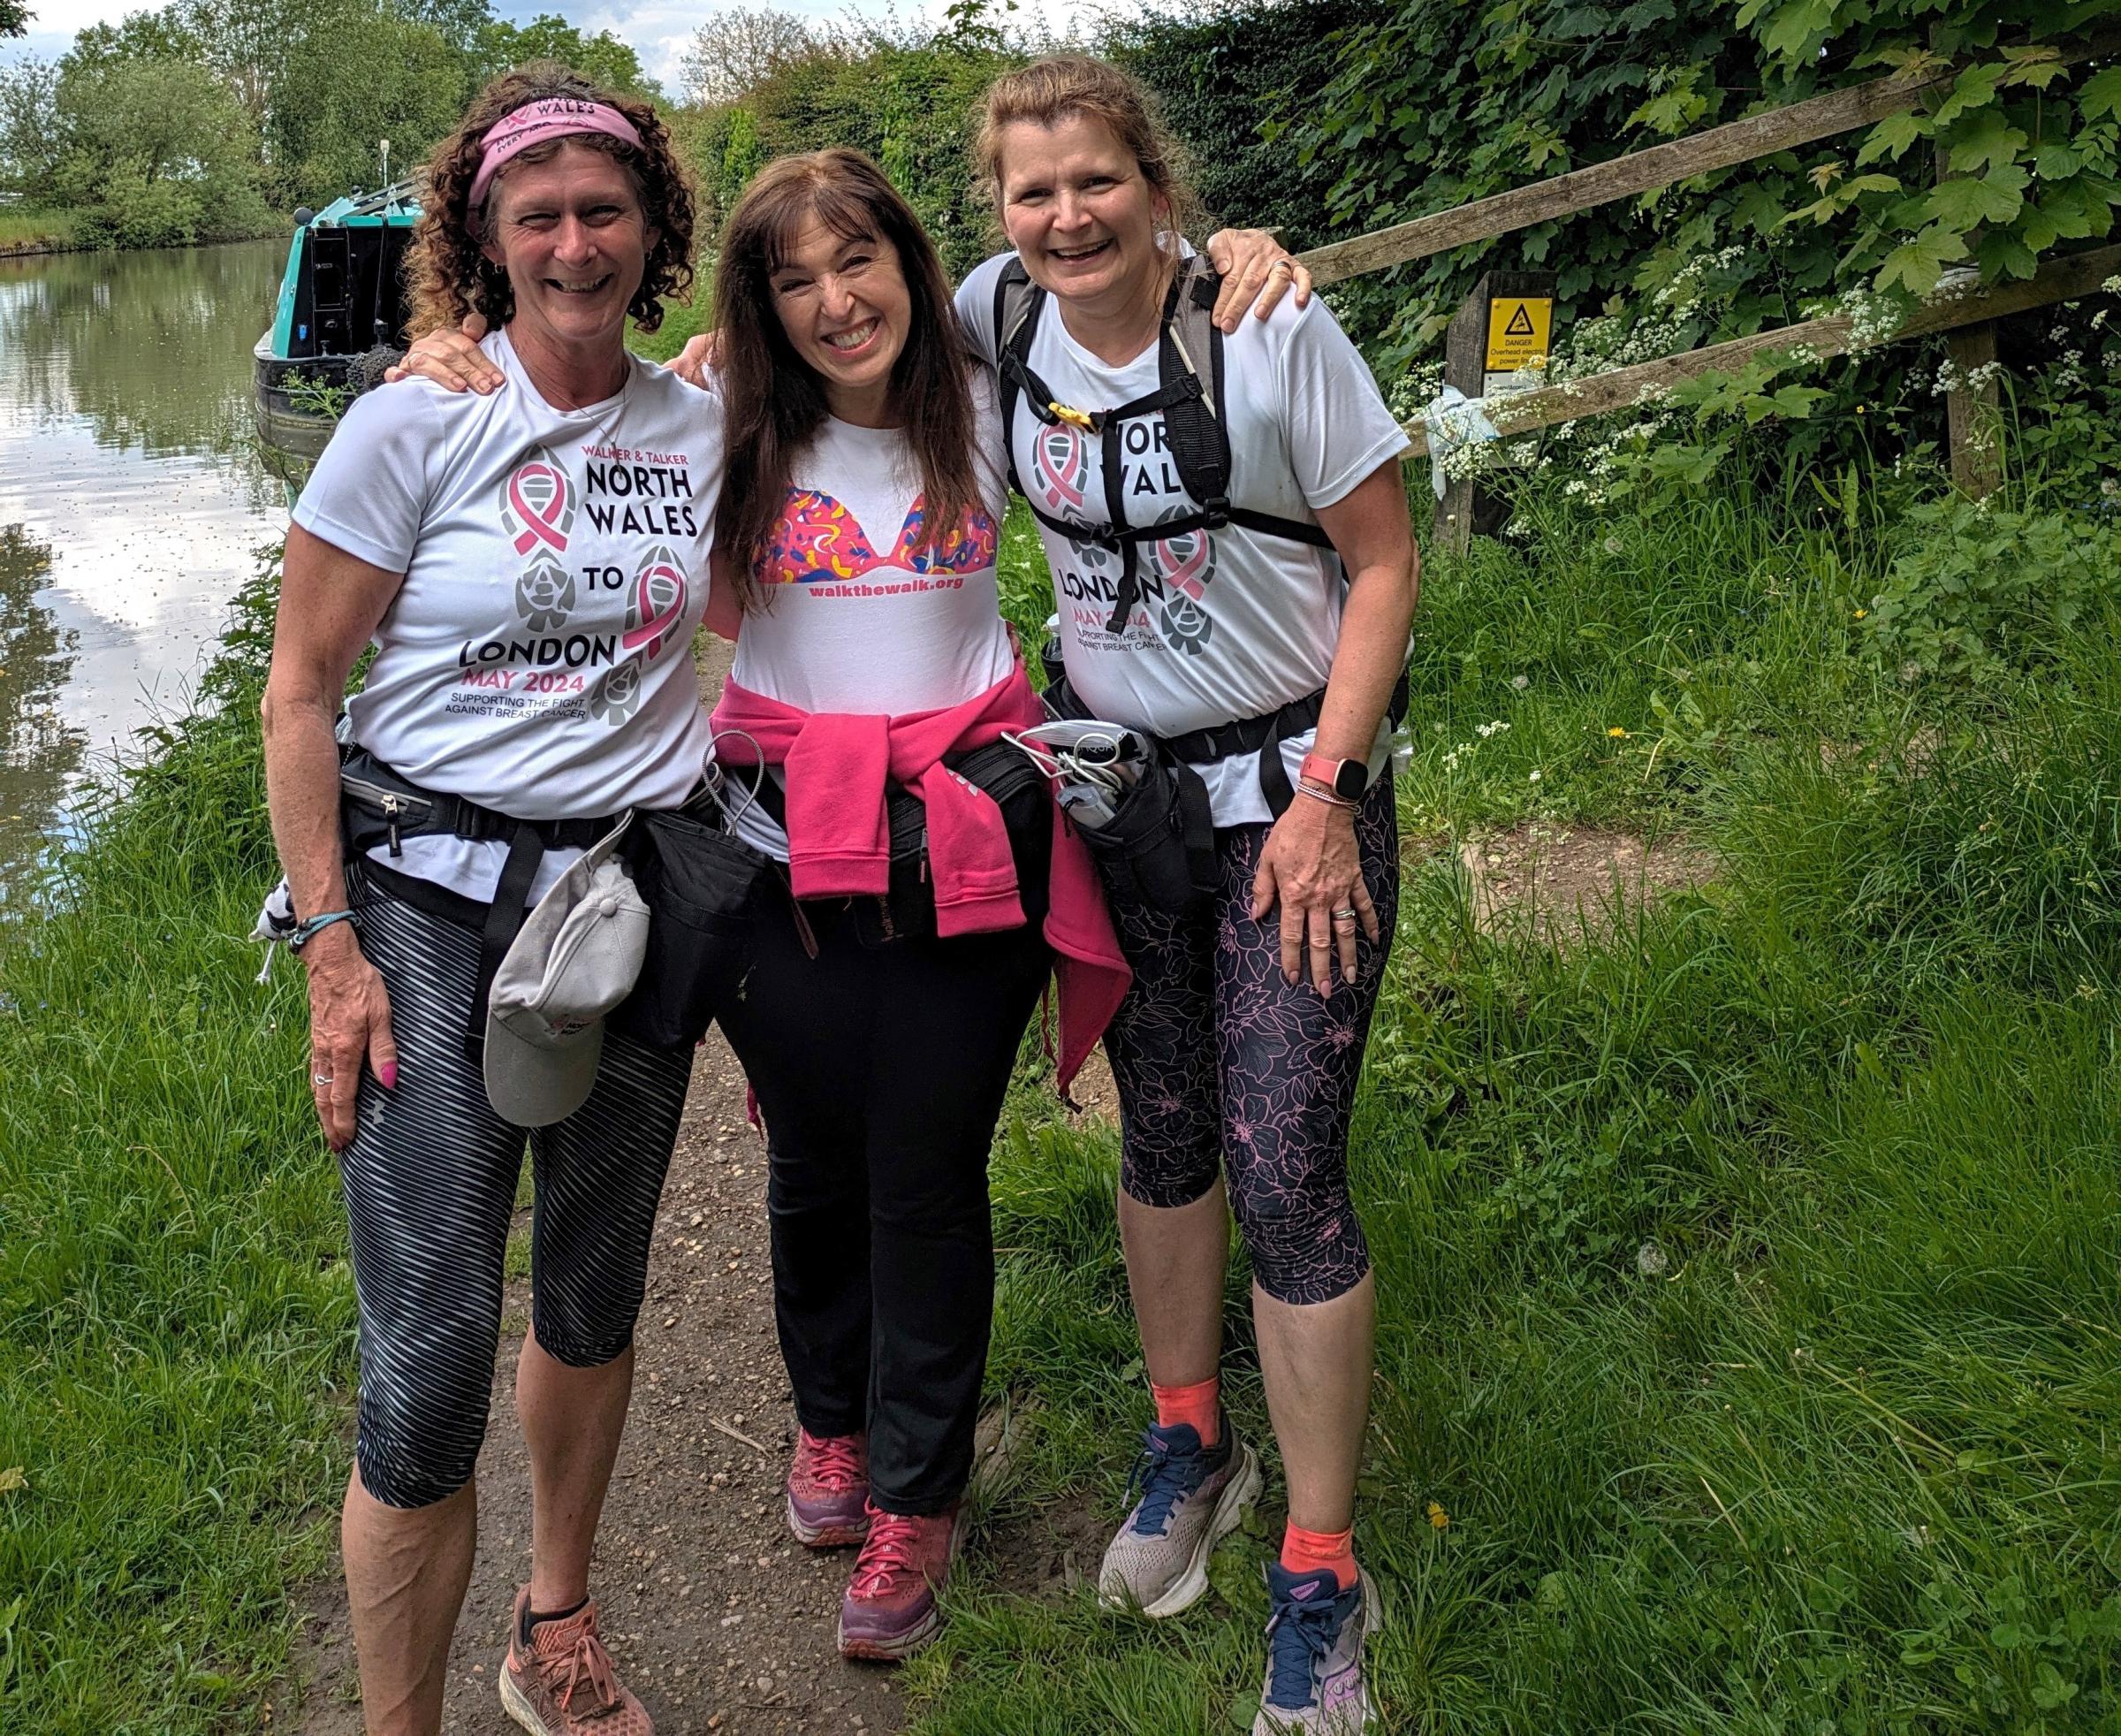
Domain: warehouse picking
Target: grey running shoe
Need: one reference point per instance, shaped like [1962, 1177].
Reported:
[1314, 1654]
[1191, 1495]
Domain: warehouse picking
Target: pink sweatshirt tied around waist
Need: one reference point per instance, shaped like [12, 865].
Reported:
[836, 766]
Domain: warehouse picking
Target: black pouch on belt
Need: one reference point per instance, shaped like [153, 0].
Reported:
[703, 886]
[1158, 847]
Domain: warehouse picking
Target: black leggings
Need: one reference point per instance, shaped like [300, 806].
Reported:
[430, 1181]
[880, 1071]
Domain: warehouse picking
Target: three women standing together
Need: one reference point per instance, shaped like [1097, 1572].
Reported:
[833, 501]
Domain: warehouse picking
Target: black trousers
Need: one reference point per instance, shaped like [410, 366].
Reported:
[880, 1070]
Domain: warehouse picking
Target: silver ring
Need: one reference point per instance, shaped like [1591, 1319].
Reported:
[320, 1079]
[1344, 916]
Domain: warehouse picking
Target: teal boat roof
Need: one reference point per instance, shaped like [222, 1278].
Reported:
[396, 205]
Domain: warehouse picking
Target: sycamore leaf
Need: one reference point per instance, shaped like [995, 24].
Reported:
[2065, 212]
[2036, 229]
[1825, 175]
[1989, 141]
[1793, 401]
[2037, 65]
[1918, 263]
[2101, 93]
[2055, 162]
[1975, 88]
[1970, 200]
[2002, 254]
[1890, 137]
[12, 1479]
[1757, 209]
[1795, 29]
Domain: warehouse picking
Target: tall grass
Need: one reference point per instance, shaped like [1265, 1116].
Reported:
[21, 230]
[175, 1308]
[1746, 1264]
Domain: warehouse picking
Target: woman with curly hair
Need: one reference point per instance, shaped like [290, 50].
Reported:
[529, 568]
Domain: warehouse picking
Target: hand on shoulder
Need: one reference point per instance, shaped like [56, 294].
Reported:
[452, 359]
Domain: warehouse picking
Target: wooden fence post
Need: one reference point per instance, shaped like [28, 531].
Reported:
[1973, 420]
[1465, 367]
[1499, 329]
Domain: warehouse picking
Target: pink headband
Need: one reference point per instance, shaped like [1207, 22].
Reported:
[548, 118]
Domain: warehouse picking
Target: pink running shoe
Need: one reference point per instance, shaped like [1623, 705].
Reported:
[828, 1490]
[558, 1680]
[890, 1610]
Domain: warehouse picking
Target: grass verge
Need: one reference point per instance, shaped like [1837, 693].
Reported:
[31, 232]
[176, 1313]
[1749, 1350]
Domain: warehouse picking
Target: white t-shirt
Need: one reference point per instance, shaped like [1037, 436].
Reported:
[1231, 625]
[536, 657]
[851, 616]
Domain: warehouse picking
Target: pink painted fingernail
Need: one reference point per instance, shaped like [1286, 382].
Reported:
[388, 1074]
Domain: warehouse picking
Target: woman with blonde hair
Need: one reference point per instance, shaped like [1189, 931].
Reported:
[1235, 577]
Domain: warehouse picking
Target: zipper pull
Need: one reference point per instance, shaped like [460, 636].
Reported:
[391, 811]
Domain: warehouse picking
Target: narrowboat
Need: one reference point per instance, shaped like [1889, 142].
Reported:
[341, 298]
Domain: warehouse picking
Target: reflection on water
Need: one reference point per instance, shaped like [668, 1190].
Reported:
[131, 499]
[39, 752]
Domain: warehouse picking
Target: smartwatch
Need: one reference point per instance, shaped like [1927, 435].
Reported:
[1347, 779]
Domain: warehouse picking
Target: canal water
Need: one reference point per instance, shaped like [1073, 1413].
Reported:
[133, 501]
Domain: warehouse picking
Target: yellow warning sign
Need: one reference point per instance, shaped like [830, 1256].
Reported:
[1520, 327]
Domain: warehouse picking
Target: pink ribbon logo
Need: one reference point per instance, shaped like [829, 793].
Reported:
[539, 505]
[1186, 563]
[658, 602]
[1061, 464]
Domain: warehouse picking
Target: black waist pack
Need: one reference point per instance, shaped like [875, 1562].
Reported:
[1015, 785]
[704, 888]
[1158, 848]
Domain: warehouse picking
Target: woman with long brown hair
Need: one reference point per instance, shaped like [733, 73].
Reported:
[874, 679]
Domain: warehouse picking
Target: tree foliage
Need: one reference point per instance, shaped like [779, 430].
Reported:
[905, 99]
[1430, 107]
[190, 122]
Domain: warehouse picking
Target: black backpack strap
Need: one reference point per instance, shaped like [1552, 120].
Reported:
[1195, 827]
[1188, 342]
[1115, 503]
[504, 919]
[1018, 303]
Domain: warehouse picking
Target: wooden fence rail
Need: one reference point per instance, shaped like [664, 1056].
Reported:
[2063, 279]
[1737, 142]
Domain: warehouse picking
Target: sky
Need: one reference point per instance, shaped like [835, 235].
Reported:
[657, 29]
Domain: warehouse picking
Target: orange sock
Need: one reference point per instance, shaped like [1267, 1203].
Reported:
[1306, 1552]
[1199, 1405]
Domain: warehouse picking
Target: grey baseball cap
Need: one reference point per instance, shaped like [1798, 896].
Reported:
[574, 959]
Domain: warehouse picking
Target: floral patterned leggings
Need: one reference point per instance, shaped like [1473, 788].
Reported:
[1222, 1063]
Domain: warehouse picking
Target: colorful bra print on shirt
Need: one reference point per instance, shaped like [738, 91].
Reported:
[818, 540]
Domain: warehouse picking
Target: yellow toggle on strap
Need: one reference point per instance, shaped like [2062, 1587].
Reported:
[1074, 417]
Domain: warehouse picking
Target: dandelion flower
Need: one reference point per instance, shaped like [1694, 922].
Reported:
[1860, 613]
[1438, 1518]
[1520, 683]
[1617, 732]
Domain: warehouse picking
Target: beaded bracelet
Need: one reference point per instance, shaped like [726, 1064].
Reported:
[1319, 792]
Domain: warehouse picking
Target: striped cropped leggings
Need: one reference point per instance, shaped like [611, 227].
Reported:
[430, 1180]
